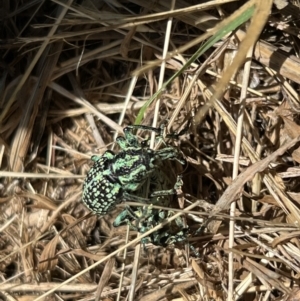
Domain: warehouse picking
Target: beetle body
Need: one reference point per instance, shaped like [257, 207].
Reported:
[116, 177]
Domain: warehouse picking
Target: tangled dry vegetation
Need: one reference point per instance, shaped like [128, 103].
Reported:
[70, 82]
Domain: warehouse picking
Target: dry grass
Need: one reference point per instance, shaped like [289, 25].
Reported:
[72, 76]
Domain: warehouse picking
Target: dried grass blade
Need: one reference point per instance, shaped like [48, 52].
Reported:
[217, 33]
[23, 134]
[48, 259]
[105, 277]
[260, 16]
[237, 185]
[34, 61]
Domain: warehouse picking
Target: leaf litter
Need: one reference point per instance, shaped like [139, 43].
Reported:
[73, 75]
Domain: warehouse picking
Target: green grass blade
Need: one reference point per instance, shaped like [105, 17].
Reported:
[223, 31]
